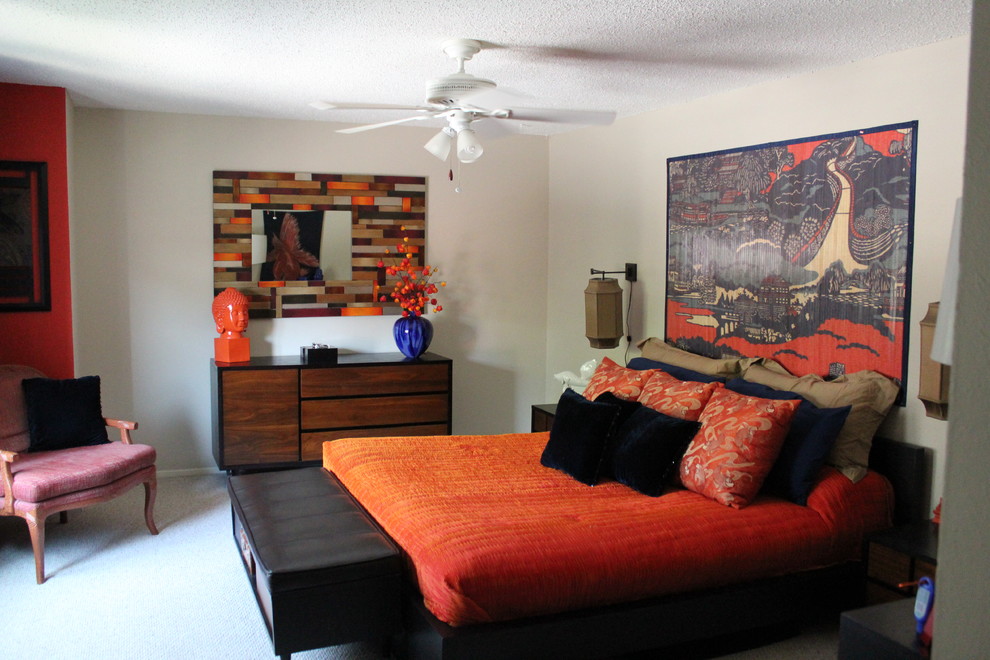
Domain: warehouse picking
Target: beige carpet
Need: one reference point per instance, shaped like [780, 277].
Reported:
[114, 591]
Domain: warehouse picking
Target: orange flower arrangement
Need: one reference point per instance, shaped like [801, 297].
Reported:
[414, 289]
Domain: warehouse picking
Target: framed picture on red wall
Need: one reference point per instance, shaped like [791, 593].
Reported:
[24, 274]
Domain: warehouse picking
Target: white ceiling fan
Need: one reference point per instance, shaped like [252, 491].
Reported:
[462, 99]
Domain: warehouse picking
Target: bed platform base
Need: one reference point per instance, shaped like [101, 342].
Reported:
[647, 625]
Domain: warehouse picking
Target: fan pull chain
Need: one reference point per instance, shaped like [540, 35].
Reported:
[450, 165]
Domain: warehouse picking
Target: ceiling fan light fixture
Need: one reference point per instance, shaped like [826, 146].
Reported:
[462, 98]
[439, 144]
[469, 149]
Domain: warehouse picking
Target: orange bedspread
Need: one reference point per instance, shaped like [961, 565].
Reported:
[493, 535]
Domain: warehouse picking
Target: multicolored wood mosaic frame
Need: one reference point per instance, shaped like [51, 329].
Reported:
[380, 206]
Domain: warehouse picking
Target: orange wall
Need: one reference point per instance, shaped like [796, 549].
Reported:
[33, 125]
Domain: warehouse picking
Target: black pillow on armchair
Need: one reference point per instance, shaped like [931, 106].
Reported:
[64, 413]
[579, 436]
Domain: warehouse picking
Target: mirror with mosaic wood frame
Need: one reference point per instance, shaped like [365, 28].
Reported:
[304, 244]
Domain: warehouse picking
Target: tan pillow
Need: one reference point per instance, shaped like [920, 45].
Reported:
[731, 367]
[769, 363]
[870, 394]
[656, 349]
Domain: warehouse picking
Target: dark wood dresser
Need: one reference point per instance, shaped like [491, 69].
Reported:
[274, 412]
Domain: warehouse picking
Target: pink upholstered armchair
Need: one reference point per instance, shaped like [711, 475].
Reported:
[36, 484]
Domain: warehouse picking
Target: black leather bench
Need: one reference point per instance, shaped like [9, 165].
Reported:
[322, 571]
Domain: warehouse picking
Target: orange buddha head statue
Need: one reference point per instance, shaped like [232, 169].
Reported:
[230, 311]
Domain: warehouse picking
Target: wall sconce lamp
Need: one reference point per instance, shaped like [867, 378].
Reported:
[603, 307]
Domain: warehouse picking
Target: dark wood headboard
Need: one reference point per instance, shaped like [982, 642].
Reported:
[908, 468]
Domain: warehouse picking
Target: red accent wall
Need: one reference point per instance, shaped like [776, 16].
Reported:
[34, 129]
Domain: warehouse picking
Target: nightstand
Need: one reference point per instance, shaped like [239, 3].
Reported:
[898, 555]
[543, 415]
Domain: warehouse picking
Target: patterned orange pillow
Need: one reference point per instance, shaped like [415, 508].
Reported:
[735, 448]
[682, 399]
[622, 382]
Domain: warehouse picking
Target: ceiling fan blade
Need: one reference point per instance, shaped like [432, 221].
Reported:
[589, 117]
[332, 105]
[491, 130]
[368, 127]
[497, 97]
[502, 98]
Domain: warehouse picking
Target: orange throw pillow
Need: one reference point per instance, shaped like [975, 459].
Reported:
[622, 382]
[677, 398]
[735, 448]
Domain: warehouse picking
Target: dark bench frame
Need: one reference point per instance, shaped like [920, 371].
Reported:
[322, 571]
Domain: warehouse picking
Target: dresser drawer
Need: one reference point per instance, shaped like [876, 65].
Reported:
[888, 566]
[923, 569]
[359, 381]
[899, 556]
[260, 416]
[320, 414]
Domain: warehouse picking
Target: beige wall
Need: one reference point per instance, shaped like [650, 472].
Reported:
[608, 190]
[142, 258]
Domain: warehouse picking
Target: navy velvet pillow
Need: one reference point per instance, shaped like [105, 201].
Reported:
[64, 413]
[680, 373]
[811, 436]
[626, 409]
[579, 436]
[647, 449]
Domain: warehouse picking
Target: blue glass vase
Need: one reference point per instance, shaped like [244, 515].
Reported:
[413, 335]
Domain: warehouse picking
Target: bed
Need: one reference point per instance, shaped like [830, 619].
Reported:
[507, 557]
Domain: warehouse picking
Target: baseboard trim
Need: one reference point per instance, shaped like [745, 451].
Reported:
[189, 472]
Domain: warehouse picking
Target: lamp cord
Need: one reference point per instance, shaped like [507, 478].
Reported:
[625, 359]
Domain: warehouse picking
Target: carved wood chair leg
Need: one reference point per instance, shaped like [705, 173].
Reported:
[37, 530]
[63, 517]
[150, 489]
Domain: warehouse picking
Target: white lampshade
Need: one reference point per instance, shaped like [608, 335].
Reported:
[942, 340]
[469, 149]
[439, 144]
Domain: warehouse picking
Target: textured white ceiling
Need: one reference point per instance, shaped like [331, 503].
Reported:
[271, 58]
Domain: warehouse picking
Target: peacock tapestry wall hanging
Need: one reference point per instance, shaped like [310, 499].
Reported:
[798, 250]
